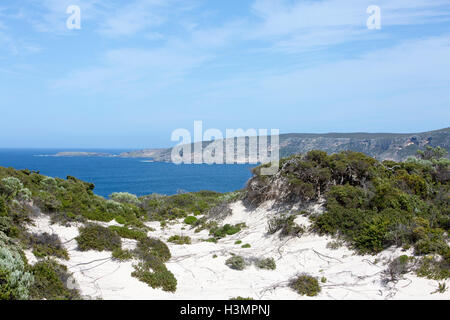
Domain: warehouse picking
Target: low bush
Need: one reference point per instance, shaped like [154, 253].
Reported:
[156, 275]
[241, 298]
[51, 281]
[222, 232]
[246, 246]
[236, 263]
[149, 248]
[432, 267]
[180, 239]
[45, 245]
[267, 263]
[128, 233]
[181, 205]
[191, 220]
[122, 255]
[334, 245]
[287, 226]
[95, 237]
[306, 285]
[125, 197]
[153, 253]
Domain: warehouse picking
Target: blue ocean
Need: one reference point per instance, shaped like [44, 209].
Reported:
[114, 174]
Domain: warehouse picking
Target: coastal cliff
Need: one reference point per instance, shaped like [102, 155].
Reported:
[382, 146]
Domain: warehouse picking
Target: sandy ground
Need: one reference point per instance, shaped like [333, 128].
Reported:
[202, 276]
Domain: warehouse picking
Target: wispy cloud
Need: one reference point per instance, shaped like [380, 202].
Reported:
[133, 71]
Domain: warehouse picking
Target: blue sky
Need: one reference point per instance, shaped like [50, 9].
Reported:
[139, 69]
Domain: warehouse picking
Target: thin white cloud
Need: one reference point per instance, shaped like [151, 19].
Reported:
[135, 17]
[311, 25]
[133, 71]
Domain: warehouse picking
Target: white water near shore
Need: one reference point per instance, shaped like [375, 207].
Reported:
[201, 276]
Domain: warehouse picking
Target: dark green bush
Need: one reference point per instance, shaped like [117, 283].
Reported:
[268, 263]
[236, 263]
[180, 239]
[153, 253]
[128, 233]
[156, 276]
[51, 282]
[122, 255]
[434, 268]
[45, 245]
[306, 285]
[190, 220]
[95, 237]
[222, 232]
[150, 247]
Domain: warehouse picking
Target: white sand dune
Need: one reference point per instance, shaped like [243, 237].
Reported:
[201, 276]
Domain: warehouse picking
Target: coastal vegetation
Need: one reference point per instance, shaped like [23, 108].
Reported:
[180, 239]
[95, 237]
[267, 263]
[365, 204]
[370, 205]
[305, 285]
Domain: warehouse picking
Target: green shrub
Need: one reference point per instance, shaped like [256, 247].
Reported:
[372, 236]
[306, 285]
[51, 282]
[124, 197]
[236, 263]
[10, 228]
[45, 245]
[334, 245]
[268, 264]
[433, 268]
[238, 242]
[222, 232]
[156, 276]
[3, 207]
[153, 253]
[95, 237]
[286, 224]
[150, 247]
[246, 246]
[191, 220]
[180, 239]
[120, 220]
[369, 205]
[122, 255]
[127, 233]
[180, 205]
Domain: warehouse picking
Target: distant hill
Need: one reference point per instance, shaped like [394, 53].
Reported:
[382, 146]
